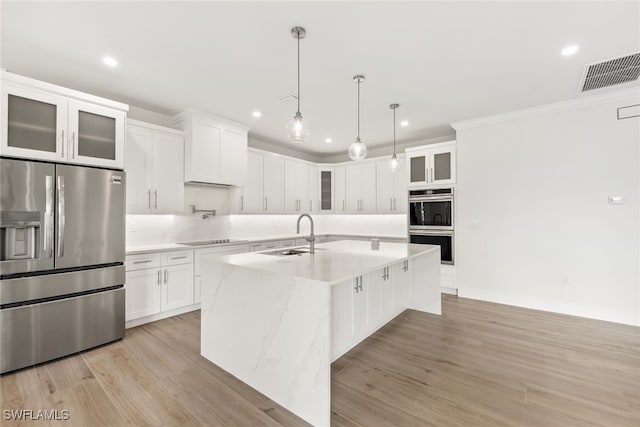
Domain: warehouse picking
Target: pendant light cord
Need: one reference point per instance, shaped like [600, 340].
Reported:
[394, 131]
[298, 71]
[358, 109]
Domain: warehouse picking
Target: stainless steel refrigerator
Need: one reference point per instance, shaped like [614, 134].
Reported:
[62, 249]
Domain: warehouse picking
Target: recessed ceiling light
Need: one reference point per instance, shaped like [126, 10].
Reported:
[404, 123]
[328, 140]
[569, 50]
[111, 62]
[256, 114]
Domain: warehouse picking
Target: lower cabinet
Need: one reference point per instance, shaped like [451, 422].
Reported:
[158, 283]
[362, 305]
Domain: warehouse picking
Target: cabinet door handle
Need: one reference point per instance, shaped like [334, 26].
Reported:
[178, 257]
[241, 203]
[149, 198]
[73, 145]
[390, 203]
[395, 208]
[156, 199]
[266, 208]
[360, 283]
[63, 143]
[159, 279]
[432, 175]
[165, 276]
[355, 288]
[142, 262]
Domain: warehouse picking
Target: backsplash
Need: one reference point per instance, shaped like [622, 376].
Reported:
[158, 229]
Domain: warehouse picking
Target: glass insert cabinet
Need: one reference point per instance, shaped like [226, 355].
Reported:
[45, 124]
[432, 165]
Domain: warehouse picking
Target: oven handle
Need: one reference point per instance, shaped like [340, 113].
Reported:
[431, 232]
[431, 199]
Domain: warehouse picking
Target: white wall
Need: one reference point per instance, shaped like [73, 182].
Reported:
[537, 185]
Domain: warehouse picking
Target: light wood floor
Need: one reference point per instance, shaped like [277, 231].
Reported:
[478, 364]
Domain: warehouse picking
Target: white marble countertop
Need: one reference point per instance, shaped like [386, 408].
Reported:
[162, 247]
[332, 262]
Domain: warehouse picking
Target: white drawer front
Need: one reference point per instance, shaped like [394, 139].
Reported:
[142, 261]
[177, 257]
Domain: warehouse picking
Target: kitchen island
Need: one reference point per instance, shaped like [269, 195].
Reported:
[277, 320]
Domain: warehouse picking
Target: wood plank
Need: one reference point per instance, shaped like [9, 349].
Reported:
[133, 389]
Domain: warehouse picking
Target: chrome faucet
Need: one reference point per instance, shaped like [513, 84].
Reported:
[312, 238]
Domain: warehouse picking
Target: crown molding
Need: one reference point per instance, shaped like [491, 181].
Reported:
[548, 109]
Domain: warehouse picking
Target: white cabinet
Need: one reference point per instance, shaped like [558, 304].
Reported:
[273, 184]
[47, 122]
[250, 198]
[361, 188]
[219, 251]
[391, 187]
[340, 189]
[434, 164]
[263, 190]
[314, 195]
[215, 149]
[143, 293]
[296, 187]
[158, 283]
[363, 304]
[154, 169]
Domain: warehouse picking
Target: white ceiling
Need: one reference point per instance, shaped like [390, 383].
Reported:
[443, 62]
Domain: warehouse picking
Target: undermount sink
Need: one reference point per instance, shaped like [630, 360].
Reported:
[287, 252]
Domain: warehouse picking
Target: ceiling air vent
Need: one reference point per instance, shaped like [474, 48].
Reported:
[288, 99]
[614, 71]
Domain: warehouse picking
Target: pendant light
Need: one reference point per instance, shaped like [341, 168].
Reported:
[394, 165]
[357, 150]
[297, 129]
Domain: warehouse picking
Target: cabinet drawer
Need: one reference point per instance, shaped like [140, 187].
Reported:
[270, 245]
[142, 261]
[177, 257]
[287, 243]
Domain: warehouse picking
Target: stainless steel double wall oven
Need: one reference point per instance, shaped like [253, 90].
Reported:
[62, 249]
[431, 219]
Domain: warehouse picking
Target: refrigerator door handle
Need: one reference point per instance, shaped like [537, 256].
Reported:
[48, 217]
[61, 216]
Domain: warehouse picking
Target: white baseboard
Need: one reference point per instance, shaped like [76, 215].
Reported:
[551, 306]
[450, 291]
[160, 316]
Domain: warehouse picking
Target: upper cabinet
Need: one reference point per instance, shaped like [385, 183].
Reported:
[155, 171]
[432, 164]
[361, 188]
[215, 150]
[392, 187]
[46, 122]
[296, 187]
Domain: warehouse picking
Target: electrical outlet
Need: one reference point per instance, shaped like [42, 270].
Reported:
[565, 280]
[474, 225]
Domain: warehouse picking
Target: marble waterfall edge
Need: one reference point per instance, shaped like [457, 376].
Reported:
[280, 344]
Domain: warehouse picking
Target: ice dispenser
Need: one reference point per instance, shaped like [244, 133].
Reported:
[19, 233]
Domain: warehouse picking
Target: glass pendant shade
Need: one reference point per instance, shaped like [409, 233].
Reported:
[394, 165]
[357, 150]
[298, 129]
